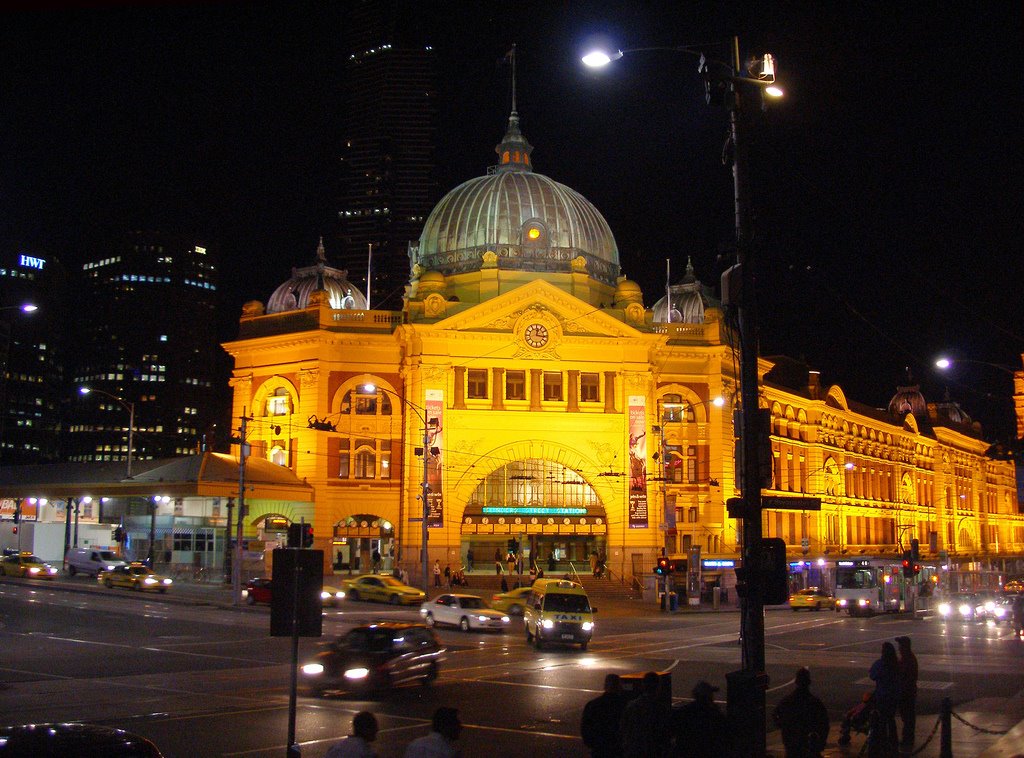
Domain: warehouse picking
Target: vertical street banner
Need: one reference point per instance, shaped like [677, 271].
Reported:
[637, 462]
[434, 406]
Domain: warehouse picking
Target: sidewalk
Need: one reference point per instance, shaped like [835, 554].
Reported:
[1005, 716]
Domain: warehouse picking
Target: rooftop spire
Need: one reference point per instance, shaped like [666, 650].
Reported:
[514, 151]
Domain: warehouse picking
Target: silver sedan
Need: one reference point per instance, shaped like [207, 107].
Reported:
[464, 611]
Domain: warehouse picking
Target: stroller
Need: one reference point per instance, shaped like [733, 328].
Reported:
[857, 719]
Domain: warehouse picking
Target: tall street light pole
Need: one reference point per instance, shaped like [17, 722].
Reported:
[747, 687]
[128, 406]
[425, 483]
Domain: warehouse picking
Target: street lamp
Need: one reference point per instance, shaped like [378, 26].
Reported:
[724, 83]
[428, 424]
[128, 406]
[944, 364]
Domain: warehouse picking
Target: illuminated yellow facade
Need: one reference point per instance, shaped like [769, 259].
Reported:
[561, 412]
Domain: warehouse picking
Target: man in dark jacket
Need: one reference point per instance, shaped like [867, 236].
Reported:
[601, 717]
[699, 728]
[803, 719]
[907, 674]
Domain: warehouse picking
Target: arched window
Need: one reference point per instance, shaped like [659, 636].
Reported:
[365, 461]
[278, 455]
[278, 404]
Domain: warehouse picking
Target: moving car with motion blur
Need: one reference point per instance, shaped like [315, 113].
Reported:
[135, 576]
[258, 590]
[382, 589]
[27, 566]
[331, 595]
[511, 602]
[967, 606]
[464, 611]
[812, 598]
[374, 657]
[558, 610]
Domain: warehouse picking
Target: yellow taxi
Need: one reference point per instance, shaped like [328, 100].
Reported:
[812, 598]
[134, 576]
[382, 589]
[26, 565]
[511, 602]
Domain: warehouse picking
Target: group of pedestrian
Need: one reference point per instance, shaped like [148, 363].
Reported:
[614, 726]
[440, 743]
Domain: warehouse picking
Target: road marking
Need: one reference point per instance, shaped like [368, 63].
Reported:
[922, 684]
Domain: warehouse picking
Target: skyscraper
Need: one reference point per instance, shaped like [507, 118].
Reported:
[387, 151]
[147, 347]
[31, 356]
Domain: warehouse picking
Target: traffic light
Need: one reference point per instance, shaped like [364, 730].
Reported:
[917, 569]
[908, 565]
[294, 535]
[663, 567]
[742, 585]
[307, 535]
[915, 551]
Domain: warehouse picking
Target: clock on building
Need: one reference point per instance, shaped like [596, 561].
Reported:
[536, 335]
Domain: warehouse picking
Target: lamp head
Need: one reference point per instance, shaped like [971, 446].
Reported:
[29, 308]
[599, 58]
[84, 390]
[943, 363]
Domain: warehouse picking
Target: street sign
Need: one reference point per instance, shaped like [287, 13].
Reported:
[791, 503]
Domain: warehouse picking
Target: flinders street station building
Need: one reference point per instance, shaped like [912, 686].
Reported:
[526, 392]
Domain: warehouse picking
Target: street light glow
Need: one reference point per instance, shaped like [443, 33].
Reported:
[773, 91]
[599, 58]
[943, 363]
[29, 308]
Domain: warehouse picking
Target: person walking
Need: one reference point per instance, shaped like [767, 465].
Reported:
[376, 561]
[601, 720]
[885, 674]
[440, 743]
[469, 559]
[497, 561]
[907, 669]
[357, 744]
[437, 573]
[699, 728]
[593, 563]
[448, 576]
[803, 719]
[646, 722]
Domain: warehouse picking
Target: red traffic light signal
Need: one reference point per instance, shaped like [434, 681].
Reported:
[307, 535]
[663, 567]
[917, 569]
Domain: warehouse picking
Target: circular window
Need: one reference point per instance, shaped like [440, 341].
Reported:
[533, 233]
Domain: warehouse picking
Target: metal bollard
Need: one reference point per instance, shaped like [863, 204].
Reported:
[946, 729]
[716, 597]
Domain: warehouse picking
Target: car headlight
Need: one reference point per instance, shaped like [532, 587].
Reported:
[110, 568]
[547, 624]
[990, 606]
[841, 602]
[339, 595]
[245, 593]
[863, 601]
[51, 570]
[945, 609]
[505, 619]
[150, 580]
[165, 581]
[313, 669]
[588, 626]
[357, 673]
[1000, 612]
[325, 595]
[34, 570]
[482, 618]
[965, 610]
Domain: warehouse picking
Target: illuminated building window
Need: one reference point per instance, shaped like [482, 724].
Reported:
[476, 383]
[277, 404]
[344, 460]
[365, 460]
[589, 388]
[552, 385]
[515, 385]
[278, 455]
[385, 459]
[366, 405]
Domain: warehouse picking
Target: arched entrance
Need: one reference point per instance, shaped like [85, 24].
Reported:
[546, 509]
[363, 543]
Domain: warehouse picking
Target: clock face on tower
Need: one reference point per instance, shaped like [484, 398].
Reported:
[536, 335]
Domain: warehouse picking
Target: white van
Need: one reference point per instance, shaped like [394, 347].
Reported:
[92, 561]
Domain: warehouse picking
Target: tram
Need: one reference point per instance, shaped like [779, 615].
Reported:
[866, 586]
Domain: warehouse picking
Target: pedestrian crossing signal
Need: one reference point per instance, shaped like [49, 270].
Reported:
[663, 568]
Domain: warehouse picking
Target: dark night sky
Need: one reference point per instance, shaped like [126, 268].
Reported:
[888, 212]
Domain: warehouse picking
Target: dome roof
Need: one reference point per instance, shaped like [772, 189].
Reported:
[627, 291]
[295, 293]
[685, 302]
[908, 399]
[531, 222]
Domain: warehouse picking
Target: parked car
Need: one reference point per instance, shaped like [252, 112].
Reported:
[80, 740]
[258, 590]
[27, 566]
[464, 611]
[383, 589]
[135, 576]
[813, 599]
[374, 657]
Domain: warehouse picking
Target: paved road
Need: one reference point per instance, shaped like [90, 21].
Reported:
[201, 678]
